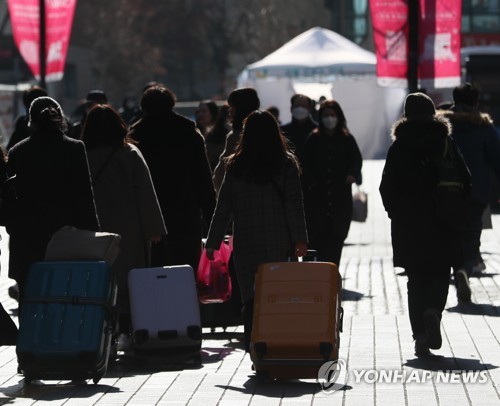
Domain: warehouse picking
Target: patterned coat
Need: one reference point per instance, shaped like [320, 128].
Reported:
[267, 219]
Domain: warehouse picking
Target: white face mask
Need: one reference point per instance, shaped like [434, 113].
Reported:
[300, 113]
[330, 122]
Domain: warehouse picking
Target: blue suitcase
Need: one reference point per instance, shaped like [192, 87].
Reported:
[66, 321]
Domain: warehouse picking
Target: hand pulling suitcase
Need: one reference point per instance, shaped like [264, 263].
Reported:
[297, 319]
[66, 321]
[165, 312]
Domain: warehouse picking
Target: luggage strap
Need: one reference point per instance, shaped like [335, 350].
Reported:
[74, 300]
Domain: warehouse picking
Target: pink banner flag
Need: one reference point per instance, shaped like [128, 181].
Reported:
[439, 47]
[439, 42]
[25, 21]
[390, 34]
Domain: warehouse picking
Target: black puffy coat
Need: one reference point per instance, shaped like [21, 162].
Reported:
[407, 189]
[176, 155]
[53, 189]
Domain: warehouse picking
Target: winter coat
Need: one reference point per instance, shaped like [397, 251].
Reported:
[175, 153]
[126, 204]
[53, 189]
[407, 189]
[267, 219]
[232, 140]
[296, 133]
[479, 143]
[327, 161]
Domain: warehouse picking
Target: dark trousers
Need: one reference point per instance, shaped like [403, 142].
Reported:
[471, 235]
[427, 289]
[248, 323]
[327, 237]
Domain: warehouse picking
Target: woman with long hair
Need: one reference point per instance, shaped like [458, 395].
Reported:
[261, 193]
[332, 163]
[125, 197]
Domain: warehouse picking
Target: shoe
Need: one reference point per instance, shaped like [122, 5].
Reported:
[478, 268]
[421, 347]
[462, 285]
[433, 329]
[14, 292]
[124, 342]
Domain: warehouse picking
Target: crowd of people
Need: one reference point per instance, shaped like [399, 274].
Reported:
[164, 182]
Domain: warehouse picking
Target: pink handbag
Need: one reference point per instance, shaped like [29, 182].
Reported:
[212, 278]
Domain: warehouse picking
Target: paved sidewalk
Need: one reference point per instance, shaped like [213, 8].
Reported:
[376, 345]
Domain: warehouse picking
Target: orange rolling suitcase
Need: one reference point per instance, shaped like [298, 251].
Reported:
[297, 319]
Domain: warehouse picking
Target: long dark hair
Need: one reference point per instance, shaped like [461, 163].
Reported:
[262, 149]
[104, 126]
[341, 123]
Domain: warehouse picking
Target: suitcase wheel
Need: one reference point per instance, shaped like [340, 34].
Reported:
[263, 375]
[96, 380]
[260, 349]
[325, 349]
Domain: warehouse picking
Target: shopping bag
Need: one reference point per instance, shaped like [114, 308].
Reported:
[212, 278]
[359, 206]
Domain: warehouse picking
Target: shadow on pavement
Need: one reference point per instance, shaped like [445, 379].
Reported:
[128, 364]
[275, 388]
[440, 363]
[351, 295]
[476, 309]
[47, 391]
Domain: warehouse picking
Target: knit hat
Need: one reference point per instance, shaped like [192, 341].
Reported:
[40, 104]
[419, 105]
[96, 97]
[466, 94]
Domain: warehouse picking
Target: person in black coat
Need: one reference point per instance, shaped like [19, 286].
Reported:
[176, 155]
[52, 188]
[241, 103]
[479, 143]
[424, 247]
[21, 130]
[332, 162]
[8, 330]
[302, 124]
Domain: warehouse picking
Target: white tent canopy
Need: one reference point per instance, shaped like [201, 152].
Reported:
[318, 63]
[318, 52]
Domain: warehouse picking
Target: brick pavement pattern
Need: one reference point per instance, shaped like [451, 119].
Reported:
[376, 343]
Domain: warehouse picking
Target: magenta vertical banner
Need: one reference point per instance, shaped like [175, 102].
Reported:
[25, 21]
[390, 34]
[439, 47]
[439, 27]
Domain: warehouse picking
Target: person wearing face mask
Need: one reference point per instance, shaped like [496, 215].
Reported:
[301, 125]
[331, 163]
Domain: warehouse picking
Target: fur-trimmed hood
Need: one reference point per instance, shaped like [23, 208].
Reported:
[472, 118]
[422, 134]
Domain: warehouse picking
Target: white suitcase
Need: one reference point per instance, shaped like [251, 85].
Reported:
[165, 311]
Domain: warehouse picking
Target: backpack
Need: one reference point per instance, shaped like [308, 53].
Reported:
[452, 188]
